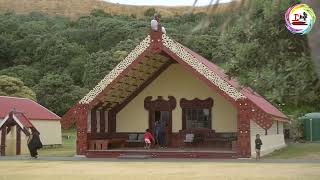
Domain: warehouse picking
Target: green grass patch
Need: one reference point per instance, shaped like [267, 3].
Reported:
[68, 147]
[297, 150]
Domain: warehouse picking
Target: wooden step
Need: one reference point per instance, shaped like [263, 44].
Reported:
[134, 156]
[160, 154]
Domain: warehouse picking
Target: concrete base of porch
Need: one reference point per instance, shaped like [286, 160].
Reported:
[164, 153]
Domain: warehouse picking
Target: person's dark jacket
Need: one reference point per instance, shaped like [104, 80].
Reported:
[258, 143]
[35, 142]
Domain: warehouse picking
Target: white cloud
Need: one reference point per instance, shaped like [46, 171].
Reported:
[168, 2]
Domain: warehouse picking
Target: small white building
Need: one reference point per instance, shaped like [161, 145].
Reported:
[45, 121]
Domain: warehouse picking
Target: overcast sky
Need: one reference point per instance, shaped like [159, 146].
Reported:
[167, 2]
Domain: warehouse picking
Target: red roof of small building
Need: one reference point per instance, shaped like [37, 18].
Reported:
[29, 108]
[23, 120]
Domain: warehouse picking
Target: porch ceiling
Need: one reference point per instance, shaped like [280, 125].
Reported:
[131, 81]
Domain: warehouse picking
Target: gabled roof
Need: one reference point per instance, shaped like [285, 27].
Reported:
[30, 109]
[157, 43]
[19, 119]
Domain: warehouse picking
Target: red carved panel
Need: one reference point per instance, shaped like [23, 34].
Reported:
[68, 119]
[156, 41]
[82, 141]
[244, 115]
[195, 103]
[160, 104]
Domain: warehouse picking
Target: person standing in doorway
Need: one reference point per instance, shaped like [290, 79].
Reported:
[157, 131]
[34, 143]
[258, 143]
[162, 133]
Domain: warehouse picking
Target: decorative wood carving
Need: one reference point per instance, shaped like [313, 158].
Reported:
[195, 103]
[18, 140]
[243, 124]
[3, 140]
[81, 116]
[160, 104]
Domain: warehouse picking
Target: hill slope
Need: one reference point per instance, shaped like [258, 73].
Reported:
[77, 8]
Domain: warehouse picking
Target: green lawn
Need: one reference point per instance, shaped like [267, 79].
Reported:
[68, 147]
[143, 170]
[297, 151]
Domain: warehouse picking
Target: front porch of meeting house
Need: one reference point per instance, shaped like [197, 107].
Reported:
[189, 135]
[207, 114]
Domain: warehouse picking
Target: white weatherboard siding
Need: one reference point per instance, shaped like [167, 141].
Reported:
[272, 141]
[50, 131]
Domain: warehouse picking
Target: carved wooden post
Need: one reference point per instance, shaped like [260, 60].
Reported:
[156, 41]
[82, 137]
[3, 140]
[18, 140]
[244, 146]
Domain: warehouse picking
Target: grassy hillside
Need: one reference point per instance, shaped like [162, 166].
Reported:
[78, 8]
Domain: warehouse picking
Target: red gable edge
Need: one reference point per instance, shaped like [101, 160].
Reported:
[31, 109]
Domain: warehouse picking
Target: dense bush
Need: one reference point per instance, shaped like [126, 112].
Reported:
[61, 59]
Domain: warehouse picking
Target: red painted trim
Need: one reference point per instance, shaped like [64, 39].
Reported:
[82, 141]
[68, 119]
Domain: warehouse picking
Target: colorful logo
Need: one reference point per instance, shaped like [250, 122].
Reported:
[300, 19]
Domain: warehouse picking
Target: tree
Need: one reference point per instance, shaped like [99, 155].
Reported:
[7, 52]
[55, 54]
[11, 86]
[98, 65]
[262, 54]
[28, 75]
[58, 92]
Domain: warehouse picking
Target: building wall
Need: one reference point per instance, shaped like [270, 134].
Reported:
[50, 131]
[50, 134]
[272, 141]
[177, 82]
[11, 143]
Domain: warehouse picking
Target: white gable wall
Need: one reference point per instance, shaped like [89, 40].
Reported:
[272, 141]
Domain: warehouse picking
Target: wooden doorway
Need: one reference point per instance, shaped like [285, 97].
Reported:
[160, 109]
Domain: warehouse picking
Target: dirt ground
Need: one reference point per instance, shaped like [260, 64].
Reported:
[86, 170]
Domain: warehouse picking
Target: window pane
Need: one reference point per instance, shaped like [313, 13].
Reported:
[197, 118]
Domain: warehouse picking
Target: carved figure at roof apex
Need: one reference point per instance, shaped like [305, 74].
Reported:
[156, 25]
